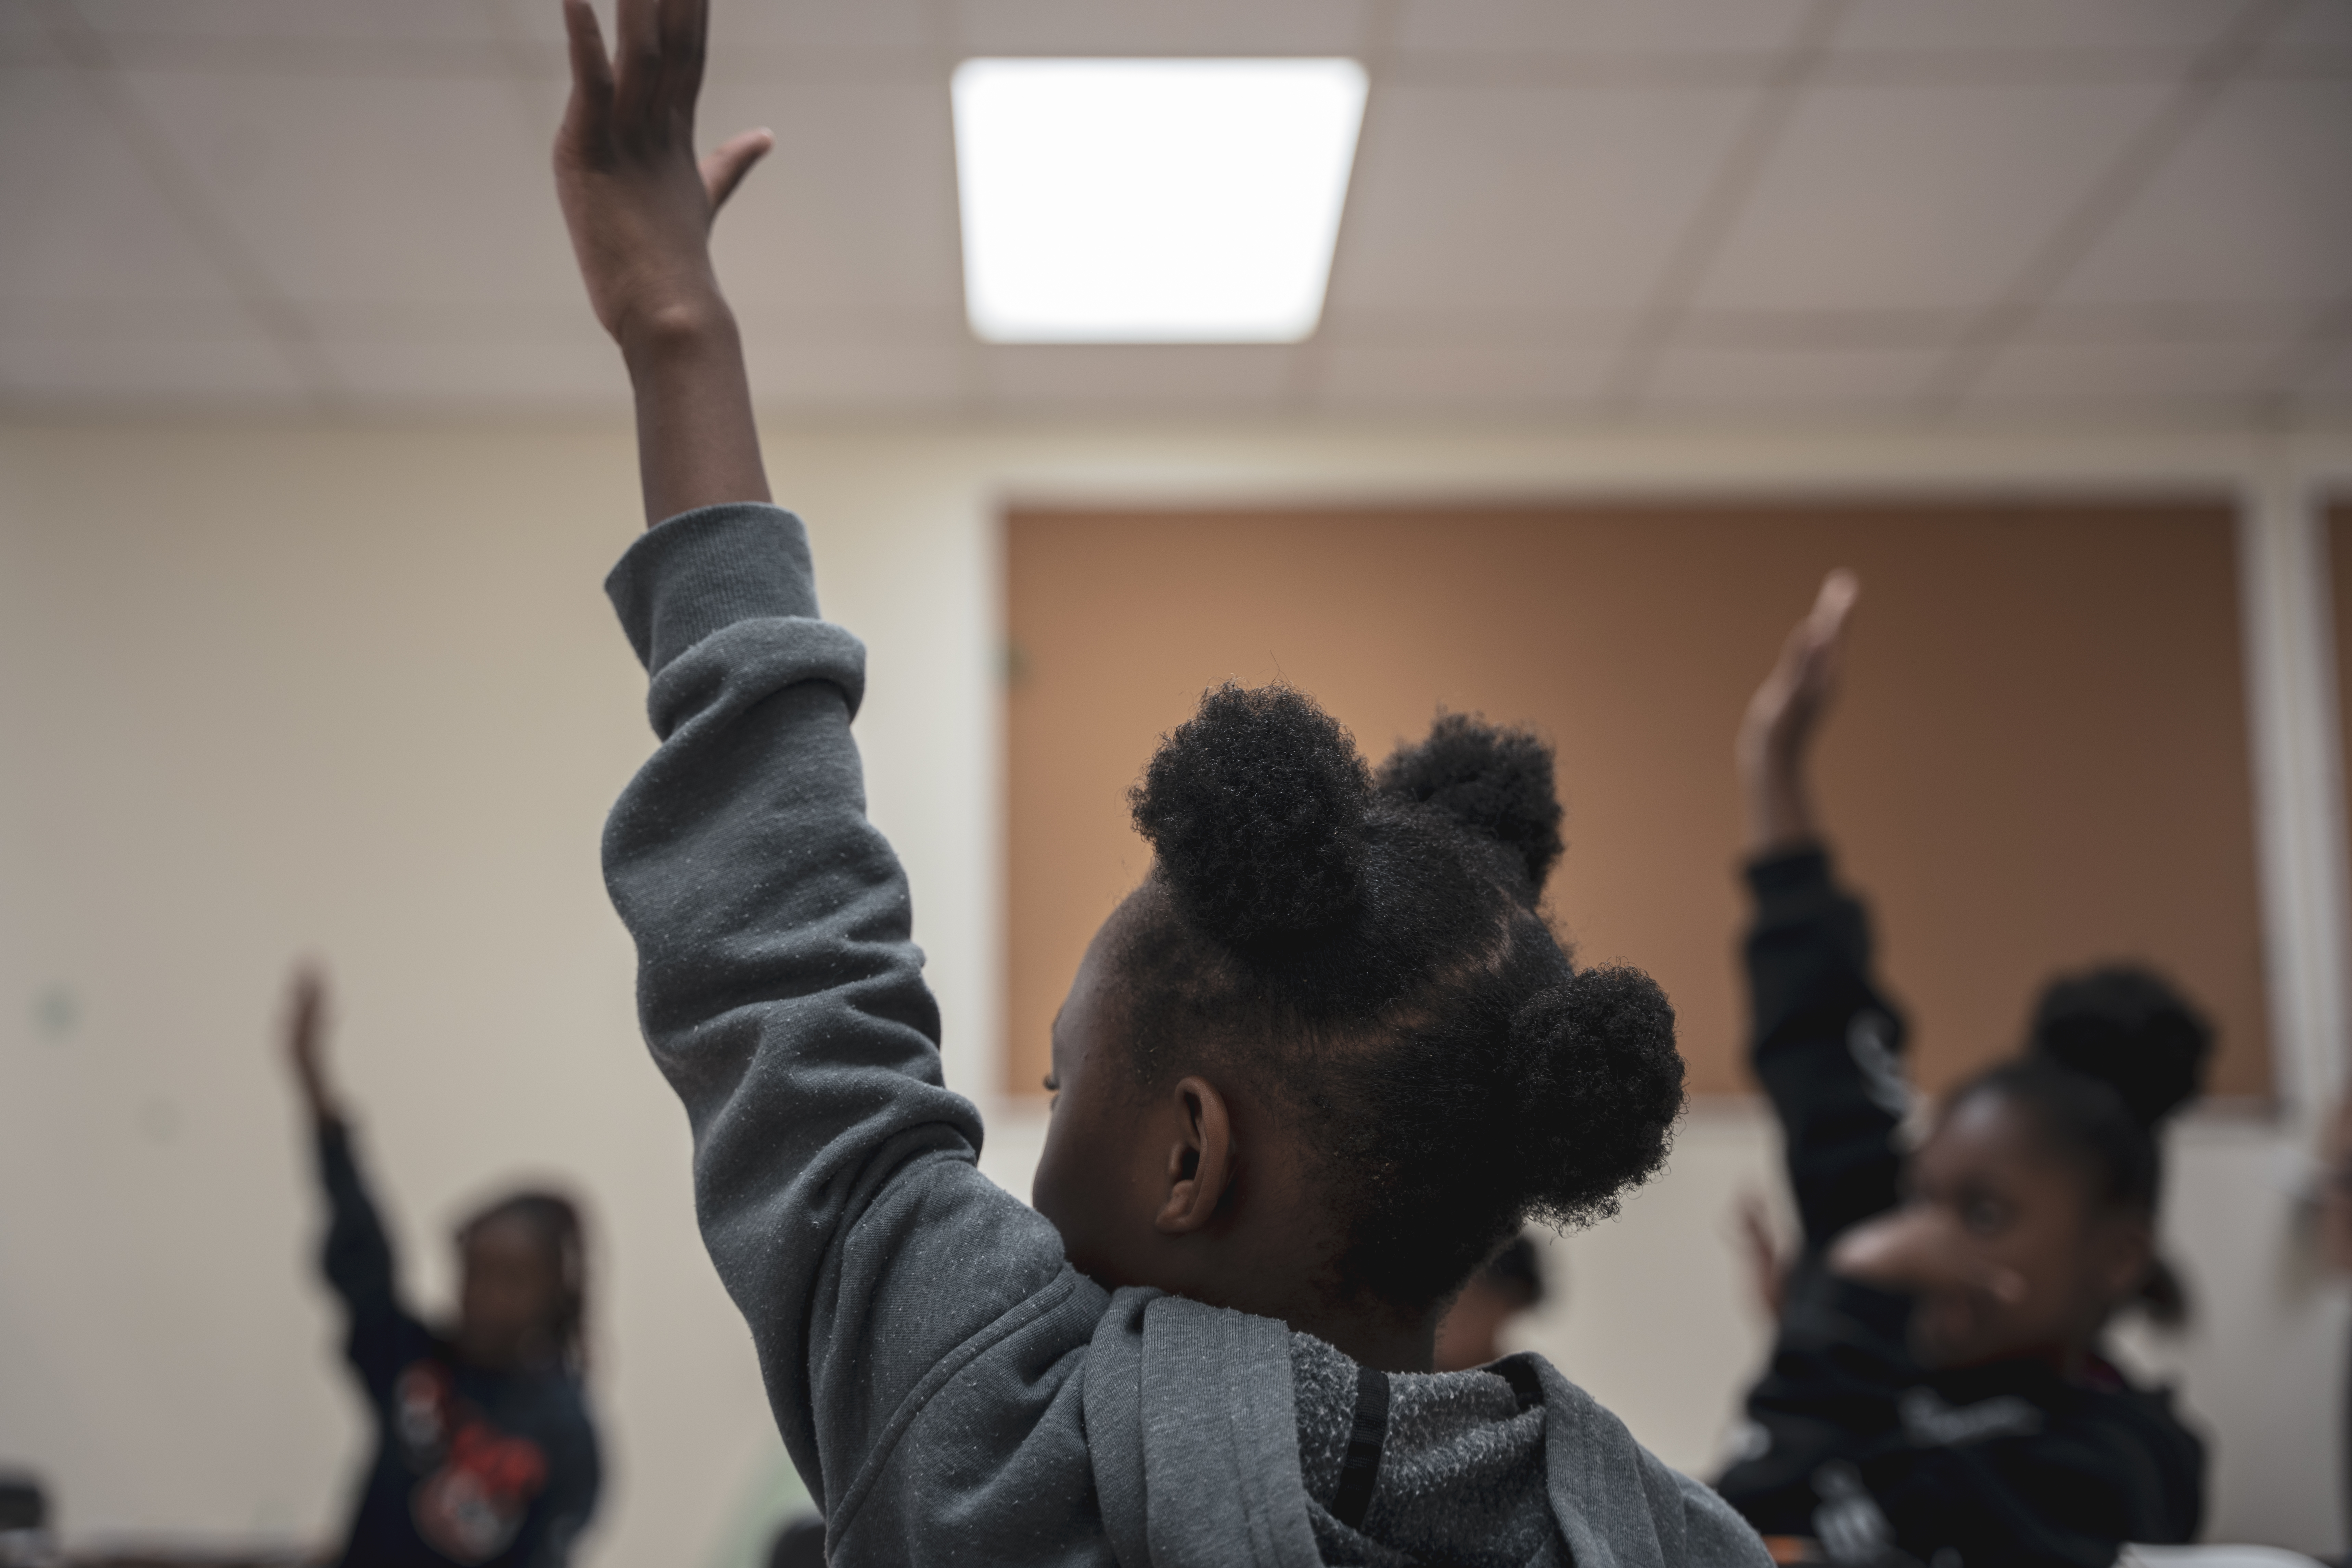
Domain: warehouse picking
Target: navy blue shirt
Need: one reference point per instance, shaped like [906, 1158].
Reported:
[2006, 1463]
[487, 1469]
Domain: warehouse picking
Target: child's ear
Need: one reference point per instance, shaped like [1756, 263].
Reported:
[1200, 1159]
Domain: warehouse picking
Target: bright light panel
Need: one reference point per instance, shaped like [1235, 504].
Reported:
[1145, 201]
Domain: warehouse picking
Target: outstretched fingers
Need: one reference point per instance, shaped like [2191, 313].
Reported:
[724, 168]
[685, 31]
[638, 97]
[588, 117]
[1839, 589]
[1811, 658]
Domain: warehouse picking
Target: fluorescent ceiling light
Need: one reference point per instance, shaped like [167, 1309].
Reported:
[1152, 201]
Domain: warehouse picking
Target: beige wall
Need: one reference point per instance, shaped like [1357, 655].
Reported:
[2039, 759]
[272, 690]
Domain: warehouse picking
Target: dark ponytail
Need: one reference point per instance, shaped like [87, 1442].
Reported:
[1368, 949]
[2111, 1055]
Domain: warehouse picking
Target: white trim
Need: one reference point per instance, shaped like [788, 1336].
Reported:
[2294, 750]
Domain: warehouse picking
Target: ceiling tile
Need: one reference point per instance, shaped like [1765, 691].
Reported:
[1707, 379]
[1505, 26]
[824, 24]
[2256, 206]
[2329, 383]
[1822, 329]
[579, 372]
[2169, 322]
[409, 20]
[84, 220]
[2317, 27]
[371, 188]
[1924, 197]
[562, 314]
[2126, 375]
[858, 377]
[24, 40]
[1207, 378]
[2027, 25]
[854, 209]
[1466, 377]
[1508, 199]
[152, 368]
[1154, 27]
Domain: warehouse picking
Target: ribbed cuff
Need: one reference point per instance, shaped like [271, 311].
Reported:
[1791, 875]
[702, 570]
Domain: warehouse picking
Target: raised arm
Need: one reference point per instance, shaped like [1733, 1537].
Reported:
[883, 1278]
[639, 207]
[1825, 1043]
[357, 1259]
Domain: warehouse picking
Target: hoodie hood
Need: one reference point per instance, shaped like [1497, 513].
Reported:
[1219, 1439]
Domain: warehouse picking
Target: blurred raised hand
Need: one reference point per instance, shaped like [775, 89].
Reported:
[1776, 733]
[306, 1041]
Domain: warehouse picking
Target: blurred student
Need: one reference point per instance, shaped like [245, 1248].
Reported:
[484, 1454]
[1509, 1285]
[1938, 1391]
[1310, 1075]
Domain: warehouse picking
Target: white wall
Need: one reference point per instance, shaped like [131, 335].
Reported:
[275, 689]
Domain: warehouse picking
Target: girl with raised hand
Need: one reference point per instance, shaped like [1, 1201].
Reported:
[484, 1454]
[1310, 1075]
[1938, 1391]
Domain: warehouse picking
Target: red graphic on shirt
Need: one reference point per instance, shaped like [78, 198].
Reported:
[473, 1502]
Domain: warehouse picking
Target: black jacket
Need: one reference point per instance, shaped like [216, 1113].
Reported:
[2005, 1464]
[471, 1467]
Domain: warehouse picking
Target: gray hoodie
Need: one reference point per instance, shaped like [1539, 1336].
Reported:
[950, 1388]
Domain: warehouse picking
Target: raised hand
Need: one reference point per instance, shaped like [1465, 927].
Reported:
[639, 207]
[1780, 718]
[306, 1041]
[638, 204]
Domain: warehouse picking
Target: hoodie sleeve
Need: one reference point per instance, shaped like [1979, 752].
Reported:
[835, 1175]
[1827, 1047]
[379, 1337]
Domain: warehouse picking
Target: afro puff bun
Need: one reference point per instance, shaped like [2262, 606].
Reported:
[1254, 808]
[2123, 1026]
[1601, 1087]
[1492, 781]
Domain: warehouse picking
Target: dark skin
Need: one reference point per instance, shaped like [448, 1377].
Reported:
[2002, 1240]
[1201, 1187]
[510, 1287]
[1198, 1187]
[1471, 1333]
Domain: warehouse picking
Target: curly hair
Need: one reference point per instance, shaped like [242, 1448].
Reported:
[1369, 948]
